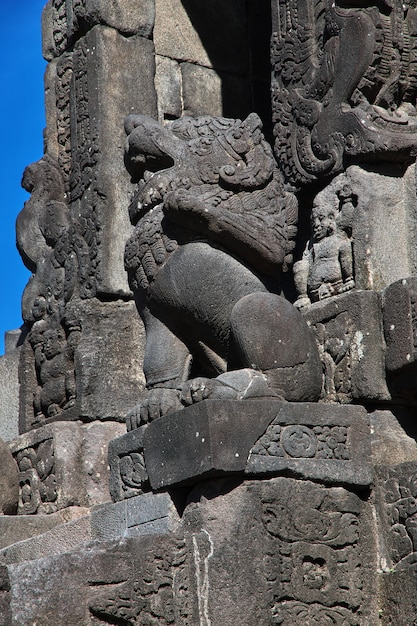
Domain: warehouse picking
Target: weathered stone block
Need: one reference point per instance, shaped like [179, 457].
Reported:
[396, 493]
[63, 464]
[208, 92]
[255, 437]
[315, 441]
[168, 88]
[158, 575]
[349, 333]
[9, 483]
[398, 597]
[106, 366]
[149, 513]
[61, 539]
[399, 302]
[244, 554]
[113, 76]
[18, 528]
[261, 536]
[212, 34]
[108, 360]
[383, 194]
[9, 394]
[128, 474]
[394, 436]
[62, 21]
[209, 438]
[128, 17]
[201, 89]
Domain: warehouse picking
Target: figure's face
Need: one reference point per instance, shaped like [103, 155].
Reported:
[323, 223]
[52, 344]
[39, 308]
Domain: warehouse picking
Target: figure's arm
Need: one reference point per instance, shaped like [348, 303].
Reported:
[300, 270]
[346, 264]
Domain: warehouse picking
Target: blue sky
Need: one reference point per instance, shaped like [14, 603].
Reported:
[22, 120]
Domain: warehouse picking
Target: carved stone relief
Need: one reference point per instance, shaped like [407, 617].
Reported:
[38, 490]
[344, 85]
[158, 591]
[397, 491]
[210, 206]
[326, 268]
[320, 572]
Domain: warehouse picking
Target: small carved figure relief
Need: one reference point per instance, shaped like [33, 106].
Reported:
[54, 250]
[326, 268]
[214, 228]
[55, 373]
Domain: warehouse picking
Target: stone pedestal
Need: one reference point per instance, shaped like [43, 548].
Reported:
[63, 464]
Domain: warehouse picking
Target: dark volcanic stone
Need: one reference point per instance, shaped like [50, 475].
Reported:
[9, 483]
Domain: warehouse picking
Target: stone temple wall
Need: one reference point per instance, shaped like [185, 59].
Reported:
[208, 417]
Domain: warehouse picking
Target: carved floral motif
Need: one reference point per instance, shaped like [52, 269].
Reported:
[344, 84]
[38, 489]
[133, 474]
[157, 592]
[319, 564]
[320, 442]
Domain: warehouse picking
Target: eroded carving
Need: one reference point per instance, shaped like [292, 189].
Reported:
[157, 591]
[319, 562]
[344, 84]
[400, 493]
[55, 252]
[133, 474]
[38, 489]
[321, 442]
[214, 228]
[54, 365]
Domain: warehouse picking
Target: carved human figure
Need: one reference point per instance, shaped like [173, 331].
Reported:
[214, 228]
[326, 268]
[55, 372]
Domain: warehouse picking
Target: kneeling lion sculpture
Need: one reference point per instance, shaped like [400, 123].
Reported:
[213, 230]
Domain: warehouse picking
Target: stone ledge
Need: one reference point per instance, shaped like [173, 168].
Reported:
[141, 515]
[18, 528]
[256, 438]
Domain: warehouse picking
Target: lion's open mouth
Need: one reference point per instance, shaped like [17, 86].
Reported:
[144, 166]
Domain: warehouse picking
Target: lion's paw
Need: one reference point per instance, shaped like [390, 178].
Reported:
[157, 403]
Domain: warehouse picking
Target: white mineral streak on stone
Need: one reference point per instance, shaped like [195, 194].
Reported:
[357, 348]
[202, 576]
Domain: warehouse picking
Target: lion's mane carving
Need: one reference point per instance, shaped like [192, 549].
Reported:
[214, 228]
